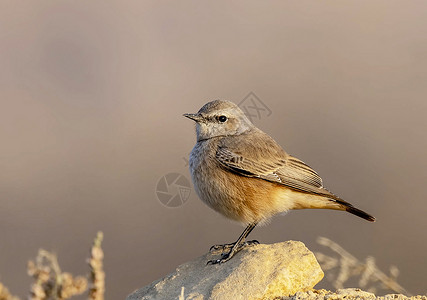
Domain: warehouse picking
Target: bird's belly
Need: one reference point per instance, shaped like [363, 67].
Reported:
[244, 199]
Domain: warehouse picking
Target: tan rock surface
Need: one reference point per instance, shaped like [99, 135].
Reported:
[347, 294]
[257, 272]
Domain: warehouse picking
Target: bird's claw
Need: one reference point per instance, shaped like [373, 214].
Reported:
[223, 259]
[233, 250]
[223, 247]
[250, 243]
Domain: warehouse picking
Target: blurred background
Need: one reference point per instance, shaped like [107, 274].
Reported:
[92, 96]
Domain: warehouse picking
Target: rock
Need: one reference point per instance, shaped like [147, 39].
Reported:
[257, 272]
[347, 294]
[339, 294]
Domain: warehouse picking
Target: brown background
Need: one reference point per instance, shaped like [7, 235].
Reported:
[92, 96]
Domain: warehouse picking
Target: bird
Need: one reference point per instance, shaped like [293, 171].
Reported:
[245, 175]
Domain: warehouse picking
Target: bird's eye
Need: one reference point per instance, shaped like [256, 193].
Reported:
[222, 119]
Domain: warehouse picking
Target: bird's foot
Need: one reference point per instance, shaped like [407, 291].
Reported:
[250, 243]
[225, 247]
[233, 250]
[222, 247]
[224, 257]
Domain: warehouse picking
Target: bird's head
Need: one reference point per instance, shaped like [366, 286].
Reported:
[219, 118]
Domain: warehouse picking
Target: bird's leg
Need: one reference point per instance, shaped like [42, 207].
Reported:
[240, 241]
[234, 247]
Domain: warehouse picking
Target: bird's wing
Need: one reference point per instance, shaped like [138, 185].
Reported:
[258, 155]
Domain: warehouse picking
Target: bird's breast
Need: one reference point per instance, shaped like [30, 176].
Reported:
[244, 199]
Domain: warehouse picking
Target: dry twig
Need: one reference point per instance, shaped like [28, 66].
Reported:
[5, 294]
[347, 266]
[97, 275]
[50, 281]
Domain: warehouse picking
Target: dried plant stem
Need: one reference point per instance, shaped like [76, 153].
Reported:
[97, 275]
[348, 266]
[181, 296]
[5, 294]
[50, 281]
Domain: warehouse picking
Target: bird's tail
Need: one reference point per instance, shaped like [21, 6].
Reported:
[351, 209]
[360, 213]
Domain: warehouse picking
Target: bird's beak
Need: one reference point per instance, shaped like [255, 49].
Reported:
[194, 117]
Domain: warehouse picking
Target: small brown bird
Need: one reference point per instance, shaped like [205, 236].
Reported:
[242, 173]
